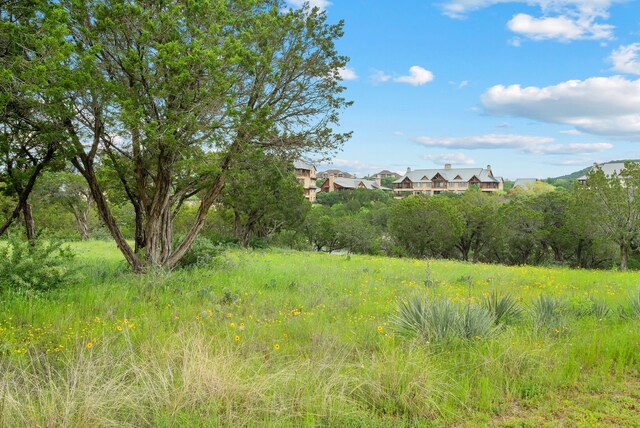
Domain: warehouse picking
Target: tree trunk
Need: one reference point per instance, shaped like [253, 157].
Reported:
[85, 166]
[82, 221]
[140, 237]
[29, 222]
[624, 256]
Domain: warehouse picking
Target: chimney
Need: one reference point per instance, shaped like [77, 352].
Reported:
[332, 187]
[378, 180]
[408, 169]
[447, 166]
[488, 167]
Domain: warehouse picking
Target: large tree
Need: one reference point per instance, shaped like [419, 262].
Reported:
[180, 89]
[34, 81]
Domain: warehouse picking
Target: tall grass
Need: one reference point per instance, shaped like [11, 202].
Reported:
[317, 345]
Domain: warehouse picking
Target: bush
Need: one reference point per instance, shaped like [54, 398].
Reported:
[38, 266]
[203, 252]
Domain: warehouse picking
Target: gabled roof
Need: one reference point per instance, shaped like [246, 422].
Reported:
[451, 174]
[525, 183]
[335, 172]
[298, 164]
[608, 168]
[355, 183]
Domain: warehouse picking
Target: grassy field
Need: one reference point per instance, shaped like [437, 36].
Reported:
[275, 338]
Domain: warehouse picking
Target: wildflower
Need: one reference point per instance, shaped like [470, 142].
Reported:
[276, 346]
[232, 325]
[119, 328]
[380, 329]
[237, 338]
[89, 345]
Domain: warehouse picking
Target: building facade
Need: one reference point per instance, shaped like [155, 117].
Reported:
[338, 184]
[456, 180]
[306, 175]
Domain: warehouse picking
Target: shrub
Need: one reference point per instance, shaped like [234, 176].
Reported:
[38, 266]
[502, 308]
[203, 252]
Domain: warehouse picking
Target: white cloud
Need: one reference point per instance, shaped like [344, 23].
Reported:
[347, 73]
[524, 143]
[417, 76]
[567, 149]
[321, 4]
[488, 141]
[564, 20]
[378, 77]
[463, 84]
[625, 59]
[571, 132]
[453, 158]
[607, 106]
[562, 28]
[398, 133]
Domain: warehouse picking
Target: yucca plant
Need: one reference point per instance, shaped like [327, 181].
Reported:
[599, 309]
[502, 308]
[634, 304]
[431, 320]
[548, 314]
[476, 322]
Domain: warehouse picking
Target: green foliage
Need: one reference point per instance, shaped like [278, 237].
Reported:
[548, 315]
[437, 320]
[634, 304]
[203, 252]
[502, 307]
[431, 320]
[476, 322]
[38, 266]
[425, 226]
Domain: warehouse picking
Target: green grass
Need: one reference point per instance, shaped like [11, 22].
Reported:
[275, 338]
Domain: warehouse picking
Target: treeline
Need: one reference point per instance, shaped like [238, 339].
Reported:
[592, 226]
[596, 225]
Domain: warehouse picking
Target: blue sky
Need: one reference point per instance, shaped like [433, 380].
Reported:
[536, 89]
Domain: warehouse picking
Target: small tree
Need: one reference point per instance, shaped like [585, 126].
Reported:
[426, 226]
[612, 205]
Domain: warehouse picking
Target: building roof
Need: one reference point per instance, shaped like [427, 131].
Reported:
[462, 175]
[354, 183]
[525, 183]
[387, 172]
[335, 173]
[609, 169]
[298, 164]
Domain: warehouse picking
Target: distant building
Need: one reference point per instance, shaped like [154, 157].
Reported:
[338, 184]
[334, 172]
[386, 174]
[456, 180]
[609, 169]
[524, 183]
[306, 175]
